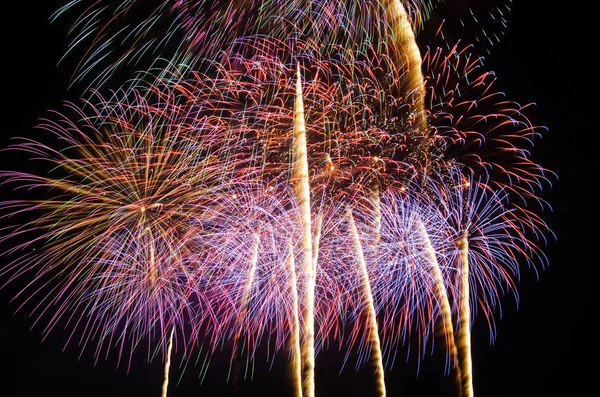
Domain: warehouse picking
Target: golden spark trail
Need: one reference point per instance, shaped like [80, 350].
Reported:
[464, 332]
[302, 191]
[153, 278]
[442, 295]
[168, 365]
[372, 318]
[296, 367]
[410, 51]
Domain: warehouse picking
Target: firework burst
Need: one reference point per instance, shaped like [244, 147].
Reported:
[298, 173]
[109, 252]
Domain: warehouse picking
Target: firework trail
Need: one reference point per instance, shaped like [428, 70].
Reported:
[295, 347]
[492, 237]
[409, 50]
[444, 301]
[437, 269]
[167, 365]
[302, 190]
[403, 283]
[464, 332]
[482, 23]
[372, 330]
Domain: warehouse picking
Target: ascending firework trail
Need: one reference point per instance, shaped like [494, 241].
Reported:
[302, 191]
[373, 329]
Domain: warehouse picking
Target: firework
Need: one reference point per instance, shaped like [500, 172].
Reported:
[123, 37]
[493, 238]
[372, 329]
[297, 177]
[108, 243]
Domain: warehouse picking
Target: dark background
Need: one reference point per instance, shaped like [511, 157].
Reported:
[542, 346]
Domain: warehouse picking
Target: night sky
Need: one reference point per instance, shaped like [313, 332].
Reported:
[541, 345]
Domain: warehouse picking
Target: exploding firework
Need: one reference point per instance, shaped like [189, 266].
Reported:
[297, 173]
[110, 243]
[459, 244]
[363, 140]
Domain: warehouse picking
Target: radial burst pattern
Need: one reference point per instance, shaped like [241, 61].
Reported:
[301, 174]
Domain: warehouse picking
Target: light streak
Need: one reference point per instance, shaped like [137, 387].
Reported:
[165, 385]
[464, 331]
[302, 191]
[372, 328]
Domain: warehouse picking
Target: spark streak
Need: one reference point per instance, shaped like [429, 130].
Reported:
[167, 365]
[373, 329]
[440, 292]
[410, 50]
[464, 332]
[302, 191]
[296, 366]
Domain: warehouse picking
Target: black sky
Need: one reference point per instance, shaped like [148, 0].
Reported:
[541, 346]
